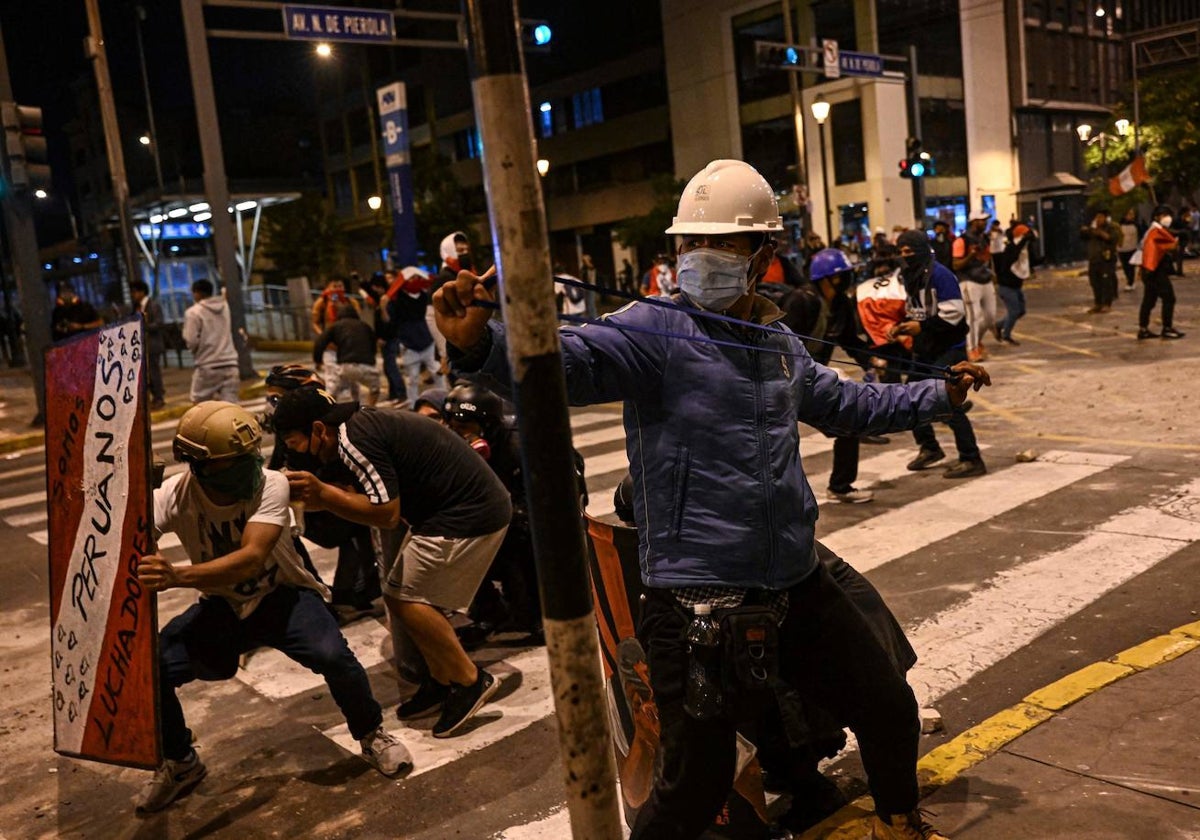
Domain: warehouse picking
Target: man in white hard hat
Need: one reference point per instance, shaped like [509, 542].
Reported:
[233, 521]
[724, 511]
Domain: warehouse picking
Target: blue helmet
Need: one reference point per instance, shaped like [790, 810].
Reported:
[827, 263]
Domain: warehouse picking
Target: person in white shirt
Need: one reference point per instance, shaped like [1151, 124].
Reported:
[233, 521]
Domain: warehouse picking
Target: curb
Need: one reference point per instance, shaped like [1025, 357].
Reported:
[272, 346]
[28, 440]
[945, 763]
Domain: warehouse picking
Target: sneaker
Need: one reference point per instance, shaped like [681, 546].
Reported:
[1008, 339]
[429, 698]
[1171, 332]
[173, 780]
[850, 497]
[1095, 310]
[1144, 333]
[1129, 288]
[383, 751]
[875, 440]
[965, 469]
[926, 458]
[910, 826]
[462, 702]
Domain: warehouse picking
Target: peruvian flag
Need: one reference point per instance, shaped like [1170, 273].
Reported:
[1131, 176]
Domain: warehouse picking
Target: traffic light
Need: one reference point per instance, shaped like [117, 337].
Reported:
[536, 35]
[26, 163]
[772, 56]
[918, 164]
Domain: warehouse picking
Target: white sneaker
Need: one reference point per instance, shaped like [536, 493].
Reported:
[383, 751]
[173, 780]
[850, 497]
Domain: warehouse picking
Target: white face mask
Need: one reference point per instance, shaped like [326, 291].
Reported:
[713, 279]
[1165, 221]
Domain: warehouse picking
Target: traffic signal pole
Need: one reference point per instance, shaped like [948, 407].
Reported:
[914, 121]
[22, 243]
[518, 224]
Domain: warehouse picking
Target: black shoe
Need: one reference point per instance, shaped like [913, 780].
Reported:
[875, 440]
[1171, 332]
[965, 469]
[429, 698]
[1144, 333]
[475, 636]
[462, 702]
[926, 458]
[814, 798]
[1008, 339]
[999, 335]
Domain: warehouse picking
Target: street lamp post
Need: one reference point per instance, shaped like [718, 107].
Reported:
[375, 202]
[820, 112]
[1086, 137]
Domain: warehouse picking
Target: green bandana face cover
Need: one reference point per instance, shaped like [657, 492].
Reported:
[242, 480]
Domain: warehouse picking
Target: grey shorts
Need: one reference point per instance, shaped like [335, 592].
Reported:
[443, 572]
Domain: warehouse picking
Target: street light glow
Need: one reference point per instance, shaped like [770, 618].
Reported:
[374, 202]
[202, 217]
[40, 193]
[1099, 11]
[323, 49]
[1084, 131]
[177, 213]
[144, 139]
[543, 166]
[198, 208]
[820, 109]
[1122, 127]
[242, 206]
[157, 218]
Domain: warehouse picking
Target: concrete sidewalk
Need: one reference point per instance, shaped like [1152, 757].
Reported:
[18, 406]
[1110, 752]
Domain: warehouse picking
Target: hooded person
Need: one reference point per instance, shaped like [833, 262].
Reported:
[1159, 248]
[455, 252]
[208, 334]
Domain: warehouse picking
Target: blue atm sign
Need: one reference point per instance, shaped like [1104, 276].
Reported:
[336, 23]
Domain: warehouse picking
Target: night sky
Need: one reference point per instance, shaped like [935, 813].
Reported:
[265, 89]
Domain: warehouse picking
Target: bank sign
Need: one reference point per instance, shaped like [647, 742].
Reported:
[336, 23]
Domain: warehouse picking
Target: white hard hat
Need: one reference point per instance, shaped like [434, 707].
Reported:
[727, 196]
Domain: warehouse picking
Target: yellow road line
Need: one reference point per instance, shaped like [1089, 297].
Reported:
[1060, 346]
[945, 763]
[1185, 447]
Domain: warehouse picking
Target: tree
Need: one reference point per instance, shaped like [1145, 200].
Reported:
[437, 201]
[303, 238]
[645, 233]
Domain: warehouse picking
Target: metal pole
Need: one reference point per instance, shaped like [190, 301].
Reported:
[23, 250]
[797, 117]
[216, 185]
[914, 116]
[140, 13]
[1137, 113]
[825, 188]
[112, 133]
[518, 224]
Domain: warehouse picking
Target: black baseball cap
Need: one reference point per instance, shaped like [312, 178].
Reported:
[299, 409]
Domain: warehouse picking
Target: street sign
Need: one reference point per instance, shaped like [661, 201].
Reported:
[829, 51]
[859, 64]
[334, 23]
[392, 101]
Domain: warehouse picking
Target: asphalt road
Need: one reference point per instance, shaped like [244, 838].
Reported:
[1004, 583]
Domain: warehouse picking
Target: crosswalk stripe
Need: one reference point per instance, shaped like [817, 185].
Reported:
[22, 501]
[23, 519]
[554, 826]
[591, 418]
[273, 675]
[1017, 605]
[900, 531]
[510, 711]
[604, 434]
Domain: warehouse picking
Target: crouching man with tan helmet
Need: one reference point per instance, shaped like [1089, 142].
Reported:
[233, 521]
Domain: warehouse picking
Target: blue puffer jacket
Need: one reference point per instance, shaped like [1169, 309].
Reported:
[720, 495]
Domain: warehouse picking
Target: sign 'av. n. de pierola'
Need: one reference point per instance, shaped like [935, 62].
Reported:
[336, 23]
[103, 626]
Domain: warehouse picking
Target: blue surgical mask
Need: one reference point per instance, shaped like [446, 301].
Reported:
[713, 279]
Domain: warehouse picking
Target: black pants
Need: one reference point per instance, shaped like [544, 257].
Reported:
[1128, 267]
[830, 655]
[845, 464]
[1156, 285]
[1103, 277]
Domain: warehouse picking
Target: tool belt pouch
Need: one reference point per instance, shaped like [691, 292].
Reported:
[751, 647]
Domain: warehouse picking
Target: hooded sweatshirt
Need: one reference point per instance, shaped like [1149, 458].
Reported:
[208, 333]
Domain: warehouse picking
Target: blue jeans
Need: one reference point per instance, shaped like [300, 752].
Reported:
[205, 642]
[1014, 308]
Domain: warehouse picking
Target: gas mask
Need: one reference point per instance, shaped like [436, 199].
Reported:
[242, 480]
[713, 279]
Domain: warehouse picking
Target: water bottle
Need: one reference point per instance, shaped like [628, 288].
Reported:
[704, 698]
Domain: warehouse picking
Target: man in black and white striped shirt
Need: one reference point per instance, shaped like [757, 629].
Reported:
[416, 472]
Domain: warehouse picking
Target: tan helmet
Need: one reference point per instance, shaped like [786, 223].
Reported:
[215, 430]
[727, 196]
